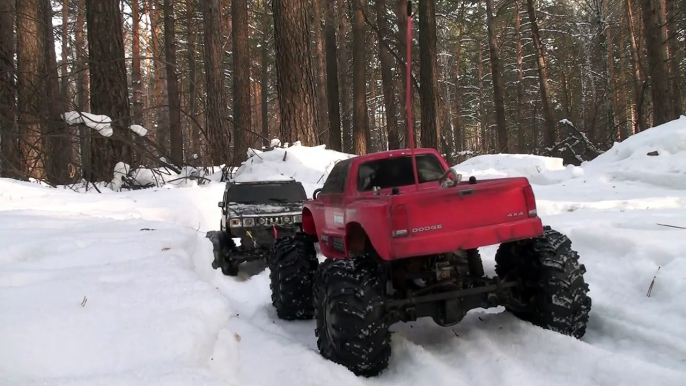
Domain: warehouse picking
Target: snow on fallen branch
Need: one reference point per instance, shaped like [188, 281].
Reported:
[100, 123]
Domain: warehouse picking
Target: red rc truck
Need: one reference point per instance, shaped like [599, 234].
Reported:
[400, 235]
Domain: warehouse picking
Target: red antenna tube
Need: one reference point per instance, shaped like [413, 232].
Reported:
[408, 102]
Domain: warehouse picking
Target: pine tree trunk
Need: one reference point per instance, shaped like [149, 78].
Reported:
[458, 129]
[428, 73]
[625, 128]
[671, 34]
[483, 115]
[58, 139]
[109, 91]
[389, 90]
[498, 85]
[216, 114]
[401, 13]
[31, 99]
[82, 87]
[160, 78]
[294, 71]
[192, 79]
[264, 75]
[344, 78]
[332, 78]
[663, 108]
[64, 89]
[241, 80]
[175, 132]
[360, 127]
[136, 79]
[548, 113]
[320, 76]
[521, 132]
[639, 77]
[10, 163]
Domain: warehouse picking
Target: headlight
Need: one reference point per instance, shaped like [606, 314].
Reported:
[298, 218]
[261, 221]
[287, 219]
[248, 222]
[235, 223]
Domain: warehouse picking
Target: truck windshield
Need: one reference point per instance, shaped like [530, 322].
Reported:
[266, 193]
[397, 172]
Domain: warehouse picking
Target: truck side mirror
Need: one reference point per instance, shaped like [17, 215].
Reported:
[316, 193]
[220, 204]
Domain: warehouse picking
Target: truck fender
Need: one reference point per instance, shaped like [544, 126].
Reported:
[356, 239]
[309, 226]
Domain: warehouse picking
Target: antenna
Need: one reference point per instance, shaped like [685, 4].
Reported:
[408, 94]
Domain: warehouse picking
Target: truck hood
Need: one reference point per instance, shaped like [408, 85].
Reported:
[264, 209]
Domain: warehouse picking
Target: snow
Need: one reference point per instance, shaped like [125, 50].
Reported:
[117, 288]
[140, 130]
[309, 165]
[99, 123]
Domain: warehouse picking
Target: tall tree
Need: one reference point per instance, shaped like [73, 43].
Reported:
[428, 74]
[401, 14]
[82, 87]
[136, 78]
[192, 102]
[386, 61]
[109, 91]
[58, 139]
[64, 68]
[548, 113]
[672, 41]
[264, 75]
[639, 77]
[9, 160]
[359, 81]
[218, 135]
[241, 79]
[295, 81]
[521, 138]
[30, 95]
[663, 108]
[344, 79]
[498, 84]
[332, 78]
[320, 75]
[159, 81]
[175, 132]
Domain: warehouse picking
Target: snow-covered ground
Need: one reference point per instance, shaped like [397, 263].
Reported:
[117, 288]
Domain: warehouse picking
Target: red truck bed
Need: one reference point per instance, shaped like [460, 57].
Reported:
[427, 221]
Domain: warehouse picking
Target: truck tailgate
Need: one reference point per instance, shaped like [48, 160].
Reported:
[457, 211]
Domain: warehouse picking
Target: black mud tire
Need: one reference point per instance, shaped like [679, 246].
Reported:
[554, 296]
[222, 247]
[292, 269]
[352, 329]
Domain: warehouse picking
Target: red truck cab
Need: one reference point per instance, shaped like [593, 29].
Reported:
[373, 201]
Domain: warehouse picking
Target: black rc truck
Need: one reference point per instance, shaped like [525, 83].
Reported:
[257, 213]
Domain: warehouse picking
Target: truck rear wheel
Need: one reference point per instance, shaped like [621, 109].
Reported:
[349, 307]
[554, 296]
[292, 270]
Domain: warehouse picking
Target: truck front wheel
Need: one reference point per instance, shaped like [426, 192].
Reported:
[349, 309]
[554, 294]
[292, 270]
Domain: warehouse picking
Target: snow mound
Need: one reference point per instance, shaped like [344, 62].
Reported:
[656, 156]
[538, 169]
[308, 165]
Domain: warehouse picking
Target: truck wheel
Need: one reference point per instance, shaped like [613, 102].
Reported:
[292, 270]
[554, 296]
[222, 246]
[349, 307]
